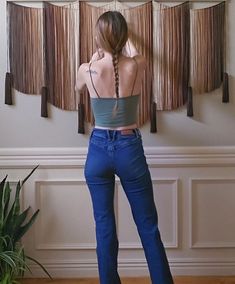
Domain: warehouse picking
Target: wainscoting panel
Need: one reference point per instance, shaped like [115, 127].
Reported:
[65, 213]
[212, 213]
[194, 191]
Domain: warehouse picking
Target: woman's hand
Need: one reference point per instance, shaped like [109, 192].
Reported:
[99, 54]
[129, 49]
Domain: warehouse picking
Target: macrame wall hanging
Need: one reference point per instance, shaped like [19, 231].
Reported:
[47, 45]
[61, 41]
[25, 51]
[207, 51]
[171, 55]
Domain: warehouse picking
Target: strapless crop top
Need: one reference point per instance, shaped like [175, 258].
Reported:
[126, 112]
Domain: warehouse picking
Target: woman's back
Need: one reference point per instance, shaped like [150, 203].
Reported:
[100, 78]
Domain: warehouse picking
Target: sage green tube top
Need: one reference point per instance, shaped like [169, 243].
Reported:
[126, 112]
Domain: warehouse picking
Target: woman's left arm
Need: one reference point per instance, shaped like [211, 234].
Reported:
[80, 82]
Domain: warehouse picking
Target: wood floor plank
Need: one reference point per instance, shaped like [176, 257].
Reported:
[177, 280]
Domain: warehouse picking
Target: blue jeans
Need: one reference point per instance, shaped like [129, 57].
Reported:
[112, 152]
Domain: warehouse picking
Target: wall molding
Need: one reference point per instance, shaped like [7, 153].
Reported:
[156, 156]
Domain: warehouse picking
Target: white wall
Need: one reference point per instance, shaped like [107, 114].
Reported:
[194, 186]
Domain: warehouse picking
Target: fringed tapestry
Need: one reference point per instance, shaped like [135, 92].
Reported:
[207, 34]
[61, 35]
[25, 44]
[170, 55]
[46, 47]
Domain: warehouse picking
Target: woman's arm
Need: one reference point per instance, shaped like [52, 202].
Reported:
[80, 83]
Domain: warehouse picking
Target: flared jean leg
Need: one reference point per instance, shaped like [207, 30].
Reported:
[140, 197]
[102, 194]
[136, 181]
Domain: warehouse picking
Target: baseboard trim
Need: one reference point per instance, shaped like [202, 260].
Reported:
[137, 268]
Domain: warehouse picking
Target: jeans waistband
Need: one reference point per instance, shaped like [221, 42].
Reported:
[114, 134]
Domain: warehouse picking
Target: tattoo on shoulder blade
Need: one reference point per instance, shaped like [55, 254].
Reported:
[92, 71]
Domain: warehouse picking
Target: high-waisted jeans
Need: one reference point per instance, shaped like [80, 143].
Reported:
[110, 152]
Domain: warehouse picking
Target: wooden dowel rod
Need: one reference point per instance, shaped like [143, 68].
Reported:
[160, 1]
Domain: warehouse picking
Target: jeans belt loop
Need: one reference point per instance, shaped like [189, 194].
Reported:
[108, 134]
[136, 131]
[92, 132]
[114, 135]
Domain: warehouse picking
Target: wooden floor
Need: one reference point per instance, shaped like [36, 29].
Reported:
[177, 280]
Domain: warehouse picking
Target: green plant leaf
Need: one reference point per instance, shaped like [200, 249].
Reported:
[7, 194]
[2, 184]
[38, 263]
[6, 279]
[9, 220]
[29, 174]
[21, 274]
[15, 282]
[3, 240]
[2, 202]
[4, 256]
[16, 207]
[18, 221]
[22, 230]
[13, 226]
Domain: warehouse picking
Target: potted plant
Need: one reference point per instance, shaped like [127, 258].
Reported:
[13, 225]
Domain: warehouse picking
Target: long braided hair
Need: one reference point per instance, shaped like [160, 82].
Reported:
[112, 35]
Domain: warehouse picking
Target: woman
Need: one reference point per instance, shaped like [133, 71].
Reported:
[114, 82]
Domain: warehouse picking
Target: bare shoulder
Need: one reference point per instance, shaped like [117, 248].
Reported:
[141, 61]
[86, 68]
[83, 67]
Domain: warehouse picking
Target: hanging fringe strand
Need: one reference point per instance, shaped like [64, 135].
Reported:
[225, 98]
[190, 102]
[8, 88]
[81, 114]
[153, 118]
[44, 94]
